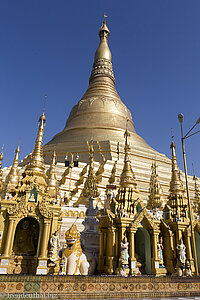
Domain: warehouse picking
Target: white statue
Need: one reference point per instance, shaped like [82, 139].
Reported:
[123, 261]
[181, 258]
[181, 252]
[74, 259]
[124, 251]
[160, 252]
[54, 248]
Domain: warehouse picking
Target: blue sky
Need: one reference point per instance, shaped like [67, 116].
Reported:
[48, 47]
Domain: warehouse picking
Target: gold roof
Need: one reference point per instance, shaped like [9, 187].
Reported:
[100, 115]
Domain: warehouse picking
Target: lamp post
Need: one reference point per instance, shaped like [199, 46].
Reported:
[187, 135]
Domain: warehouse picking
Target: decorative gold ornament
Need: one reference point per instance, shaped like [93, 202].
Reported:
[155, 190]
[90, 189]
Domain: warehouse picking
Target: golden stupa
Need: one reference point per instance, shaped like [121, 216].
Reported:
[100, 115]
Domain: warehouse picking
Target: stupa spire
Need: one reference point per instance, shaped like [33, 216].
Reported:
[196, 202]
[155, 190]
[196, 188]
[127, 176]
[51, 178]
[36, 162]
[90, 189]
[1, 159]
[102, 60]
[103, 51]
[176, 184]
[177, 200]
[12, 178]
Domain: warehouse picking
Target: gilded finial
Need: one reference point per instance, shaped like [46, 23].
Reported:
[45, 101]
[90, 189]
[1, 158]
[1, 155]
[104, 27]
[104, 20]
[103, 51]
[155, 190]
[194, 176]
[196, 192]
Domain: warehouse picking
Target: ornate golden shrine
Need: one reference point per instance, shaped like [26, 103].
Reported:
[29, 214]
[127, 217]
[153, 242]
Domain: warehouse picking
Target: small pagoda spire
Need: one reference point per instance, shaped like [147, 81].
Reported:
[1, 159]
[196, 202]
[51, 178]
[127, 176]
[1, 173]
[12, 178]
[155, 189]
[177, 200]
[127, 192]
[90, 189]
[196, 189]
[36, 162]
[176, 184]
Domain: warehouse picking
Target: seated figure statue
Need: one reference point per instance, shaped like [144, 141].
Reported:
[75, 261]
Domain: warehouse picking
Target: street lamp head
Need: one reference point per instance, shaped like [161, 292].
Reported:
[198, 121]
[180, 118]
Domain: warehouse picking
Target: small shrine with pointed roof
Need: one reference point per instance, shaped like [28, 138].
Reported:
[29, 214]
[128, 228]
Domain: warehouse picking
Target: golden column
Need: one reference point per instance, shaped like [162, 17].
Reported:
[121, 235]
[109, 250]
[132, 250]
[101, 252]
[155, 242]
[45, 239]
[189, 249]
[9, 237]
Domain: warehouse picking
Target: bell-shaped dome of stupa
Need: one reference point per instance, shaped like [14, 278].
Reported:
[100, 115]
